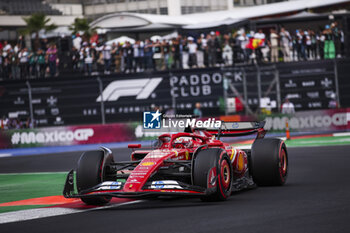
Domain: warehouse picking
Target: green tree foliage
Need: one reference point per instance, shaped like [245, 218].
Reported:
[35, 23]
[82, 25]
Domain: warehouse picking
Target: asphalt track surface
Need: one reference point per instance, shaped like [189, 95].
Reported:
[316, 198]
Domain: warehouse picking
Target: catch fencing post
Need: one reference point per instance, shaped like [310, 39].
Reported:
[225, 87]
[258, 77]
[278, 89]
[245, 93]
[173, 98]
[30, 103]
[102, 101]
[336, 82]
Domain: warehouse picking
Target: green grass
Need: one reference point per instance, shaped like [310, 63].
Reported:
[15, 187]
[319, 141]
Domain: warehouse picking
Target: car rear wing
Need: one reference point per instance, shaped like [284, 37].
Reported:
[236, 129]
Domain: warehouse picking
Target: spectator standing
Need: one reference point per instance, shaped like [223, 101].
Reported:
[44, 44]
[137, 56]
[106, 54]
[192, 51]
[148, 55]
[218, 49]
[17, 48]
[6, 68]
[285, 40]
[142, 56]
[166, 55]
[301, 45]
[308, 44]
[4, 122]
[32, 64]
[201, 44]
[321, 40]
[313, 44]
[295, 47]
[185, 54]
[14, 61]
[29, 123]
[21, 42]
[23, 61]
[288, 107]
[197, 112]
[157, 55]
[52, 53]
[75, 58]
[77, 42]
[117, 53]
[175, 48]
[95, 58]
[6, 46]
[88, 60]
[261, 37]
[274, 45]
[227, 54]
[129, 57]
[336, 38]
[329, 48]
[242, 41]
[41, 64]
[211, 50]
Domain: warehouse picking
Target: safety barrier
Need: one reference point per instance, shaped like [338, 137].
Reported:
[122, 98]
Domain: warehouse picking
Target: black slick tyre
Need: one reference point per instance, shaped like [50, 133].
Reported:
[91, 172]
[212, 169]
[269, 162]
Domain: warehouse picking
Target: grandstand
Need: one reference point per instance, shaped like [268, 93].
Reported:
[25, 7]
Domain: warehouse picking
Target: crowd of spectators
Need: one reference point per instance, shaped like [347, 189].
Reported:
[19, 62]
[211, 50]
[15, 123]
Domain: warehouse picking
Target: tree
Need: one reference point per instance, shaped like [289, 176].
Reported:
[82, 25]
[35, 23]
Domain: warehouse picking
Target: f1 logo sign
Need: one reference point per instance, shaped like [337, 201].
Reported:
[141, 88]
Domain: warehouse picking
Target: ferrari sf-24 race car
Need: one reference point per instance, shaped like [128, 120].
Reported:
[193, 163]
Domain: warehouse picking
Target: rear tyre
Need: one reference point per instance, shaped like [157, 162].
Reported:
[269, 162]
[212, 169]
[91, 171]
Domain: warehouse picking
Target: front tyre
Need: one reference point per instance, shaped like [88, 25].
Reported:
[269, 162]
[212, 169]
[91, 171]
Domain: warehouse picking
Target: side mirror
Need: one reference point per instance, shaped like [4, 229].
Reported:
[134, 146]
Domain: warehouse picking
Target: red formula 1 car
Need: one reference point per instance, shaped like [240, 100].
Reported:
[193, 163]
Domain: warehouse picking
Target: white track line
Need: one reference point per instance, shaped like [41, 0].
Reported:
[5, 155]
[341, 134]
[24, 215]
[34, 173]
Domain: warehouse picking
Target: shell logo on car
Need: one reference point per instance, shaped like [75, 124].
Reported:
[147, 163]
